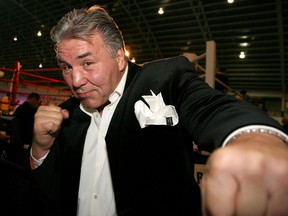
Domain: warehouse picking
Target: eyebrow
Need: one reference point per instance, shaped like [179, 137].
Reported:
[78, 57]
[84, 55]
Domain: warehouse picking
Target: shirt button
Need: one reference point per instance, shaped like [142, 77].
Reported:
[95, 196]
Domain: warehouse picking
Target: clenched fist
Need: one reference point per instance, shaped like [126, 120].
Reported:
[47, 123]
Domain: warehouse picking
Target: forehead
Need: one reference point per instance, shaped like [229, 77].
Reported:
[76, 47]
[94, 39]
[69, 45]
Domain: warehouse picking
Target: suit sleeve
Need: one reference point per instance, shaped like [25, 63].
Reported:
[209, 115]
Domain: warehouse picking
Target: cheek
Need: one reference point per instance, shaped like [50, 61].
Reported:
[100, 78]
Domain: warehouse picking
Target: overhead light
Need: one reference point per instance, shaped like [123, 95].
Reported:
[39, 33]
[245, 44]
[242, 55]
[133, 60]
[40, 65]
[230, 1]
[15, 38]
[161, 11]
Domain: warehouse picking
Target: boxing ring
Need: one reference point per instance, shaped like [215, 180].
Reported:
[210, 69]
[33, 82]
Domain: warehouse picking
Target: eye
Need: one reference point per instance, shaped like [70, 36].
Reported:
[65, 68]
[86, 64]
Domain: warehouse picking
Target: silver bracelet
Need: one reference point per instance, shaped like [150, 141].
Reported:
[256, 129]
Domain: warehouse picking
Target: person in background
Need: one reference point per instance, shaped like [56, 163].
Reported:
[242, 96]
[121, 145]
[222, 77]
[25, 114]
[5, 104]
[22, 132]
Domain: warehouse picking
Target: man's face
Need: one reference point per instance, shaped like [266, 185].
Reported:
[89, 70]
[34, 102]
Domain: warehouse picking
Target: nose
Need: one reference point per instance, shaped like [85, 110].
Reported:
[78, 77]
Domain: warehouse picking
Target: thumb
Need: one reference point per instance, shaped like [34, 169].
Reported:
[65, 113]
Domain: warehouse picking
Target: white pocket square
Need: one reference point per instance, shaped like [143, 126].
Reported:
[157, 114]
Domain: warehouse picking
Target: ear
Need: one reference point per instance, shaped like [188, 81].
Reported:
[121, 59]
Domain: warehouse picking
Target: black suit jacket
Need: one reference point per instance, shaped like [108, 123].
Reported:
[151, 168]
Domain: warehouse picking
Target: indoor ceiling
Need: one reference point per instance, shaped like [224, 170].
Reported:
[185, 26]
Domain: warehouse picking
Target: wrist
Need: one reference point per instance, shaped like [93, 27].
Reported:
[257, 129]
[36, 162]
[38, 152]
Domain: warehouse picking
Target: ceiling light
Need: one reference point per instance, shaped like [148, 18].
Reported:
[15, 38]
[40, 65]
[230, 1]
[161, 11]
[245, 44]
[242, 55]
[244, 37]
[39, 33]
[133, 60]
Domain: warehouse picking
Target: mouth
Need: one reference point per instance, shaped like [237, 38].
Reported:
[82, 95]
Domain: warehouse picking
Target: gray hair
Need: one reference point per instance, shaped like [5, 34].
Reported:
[84, 23]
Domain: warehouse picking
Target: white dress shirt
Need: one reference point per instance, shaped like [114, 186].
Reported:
[96, 195]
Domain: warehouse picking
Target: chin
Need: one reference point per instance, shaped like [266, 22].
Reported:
[89, 105]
